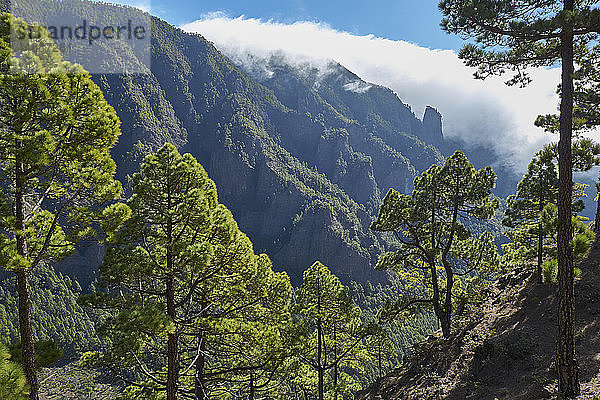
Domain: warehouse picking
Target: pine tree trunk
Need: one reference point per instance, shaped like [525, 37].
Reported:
[319, 361]
[437, 307]
[379, 358]
[26, 331]
[445, 324]
[540, 254]
[335, 365]
[335, 381]
[199, 389]
[540, 250]
[566, 364]
[251, 394]
[447, 314]
[172, 347]
[25, 327]
[172, 339]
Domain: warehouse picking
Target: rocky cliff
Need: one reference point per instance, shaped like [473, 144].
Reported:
[302, 157]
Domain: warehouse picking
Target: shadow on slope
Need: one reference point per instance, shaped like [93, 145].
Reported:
[503, 348]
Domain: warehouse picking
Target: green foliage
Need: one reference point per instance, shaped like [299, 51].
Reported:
[538, 188]
[435, 249]
[394, 338]
[587, 88]
[13, 384]
[532, 212]
[189, 297]
[550, 271]
[56, 315]
[56, 172]
[585, 153]
[59, 154]
[507, 36]
[47, 353]
[331, 342]
[583, 237]
[586, 115]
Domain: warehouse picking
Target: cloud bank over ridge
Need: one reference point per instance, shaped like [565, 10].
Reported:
[482, 113]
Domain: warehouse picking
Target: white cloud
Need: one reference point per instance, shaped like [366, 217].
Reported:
[487, 113]
[357, 87]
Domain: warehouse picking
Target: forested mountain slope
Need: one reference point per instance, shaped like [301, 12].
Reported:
[301, 160]
[504, 347]
[308, 85]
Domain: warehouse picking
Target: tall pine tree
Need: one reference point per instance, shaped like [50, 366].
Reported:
[56, 170]
[332, 333]
[191, 303]
[538, 188]
[435, 249]
[510, 35]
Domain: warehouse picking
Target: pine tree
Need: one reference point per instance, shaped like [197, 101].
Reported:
[382, 350]
[538, 188]
[587, 106]
[434, 247]
[13, 384]
[250, 352]
[583, 236]
[57, 173]
[586, 112]
[392, 338]
[512, 36]
[192, 303]
[332, 334]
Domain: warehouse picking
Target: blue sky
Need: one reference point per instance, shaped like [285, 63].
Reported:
[416, 21]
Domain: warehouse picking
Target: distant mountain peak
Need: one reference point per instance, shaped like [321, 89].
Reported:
[432, 126]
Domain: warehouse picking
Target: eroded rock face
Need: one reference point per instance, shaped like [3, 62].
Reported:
[301, 160]
[316, 236]
[351, 170]
[432, 131]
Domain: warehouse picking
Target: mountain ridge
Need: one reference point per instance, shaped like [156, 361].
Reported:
[302, 160]
[302, 182]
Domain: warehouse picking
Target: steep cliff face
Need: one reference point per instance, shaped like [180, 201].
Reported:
[351, 170]
[432, 126]
[301, 156]
[341, 99]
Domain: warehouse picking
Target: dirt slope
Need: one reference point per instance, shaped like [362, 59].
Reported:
[504, 348]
